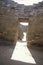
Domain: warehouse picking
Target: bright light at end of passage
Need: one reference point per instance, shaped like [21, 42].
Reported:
[23, 23]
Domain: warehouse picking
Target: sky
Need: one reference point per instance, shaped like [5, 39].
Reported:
[27, 2]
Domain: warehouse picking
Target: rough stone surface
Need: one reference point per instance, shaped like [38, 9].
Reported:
[8, 25]
[12, 13]
[35, 30]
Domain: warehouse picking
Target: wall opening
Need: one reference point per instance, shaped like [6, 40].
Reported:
[23, 30]
[21, 52]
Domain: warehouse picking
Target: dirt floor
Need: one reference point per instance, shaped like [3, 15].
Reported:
[21, 55]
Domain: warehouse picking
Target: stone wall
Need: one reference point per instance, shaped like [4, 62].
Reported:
[35, 30]
[12, 13]
[8, 25]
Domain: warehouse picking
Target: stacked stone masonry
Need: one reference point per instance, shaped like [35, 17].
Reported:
[11, 14]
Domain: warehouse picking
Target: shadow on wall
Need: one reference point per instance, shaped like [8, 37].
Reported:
[6, 43]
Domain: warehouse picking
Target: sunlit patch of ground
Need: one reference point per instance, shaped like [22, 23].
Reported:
[24, 37]
[21, 53]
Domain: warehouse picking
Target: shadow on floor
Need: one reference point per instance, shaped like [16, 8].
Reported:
[37, 54]
[6, 50]
[11, 62]
[6, 53]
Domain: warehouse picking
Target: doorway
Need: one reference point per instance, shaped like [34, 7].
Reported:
[21, 52]
[22, 31]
